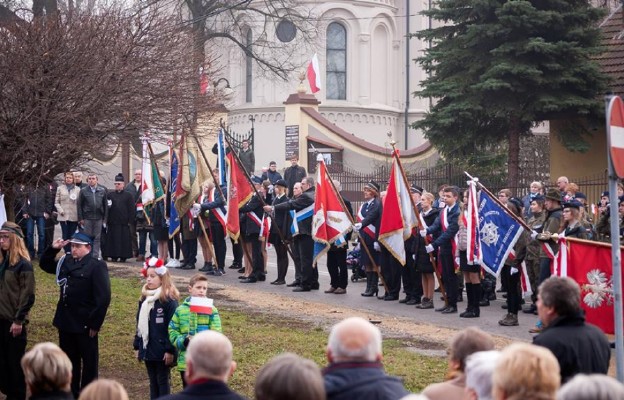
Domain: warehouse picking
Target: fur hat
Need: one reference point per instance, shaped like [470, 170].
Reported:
[553, 194]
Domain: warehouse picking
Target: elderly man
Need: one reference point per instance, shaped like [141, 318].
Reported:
[355, 370]
[562, 182]
[84, 297]
[478, 372]
[579, 347]
[209, 365]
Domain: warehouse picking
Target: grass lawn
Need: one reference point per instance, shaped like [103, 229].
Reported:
[257, 337]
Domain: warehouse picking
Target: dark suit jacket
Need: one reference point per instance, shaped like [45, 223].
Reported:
[214, 390]
[373, 216]
[305, 200]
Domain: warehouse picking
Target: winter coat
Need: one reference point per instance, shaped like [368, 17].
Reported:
[248, 160]
[92, 205]
[17, 290]
[579, 347]
[551, 224]
[38, 202]
[292, 175]
[305, 200]
[362, 381]
[185, 324]
[66, 203]
[445, 239]
[205, 389]
[84, 294]
[536, 222]
[159, 318]
[253, 206]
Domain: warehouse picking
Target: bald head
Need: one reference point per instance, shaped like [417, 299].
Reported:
[354, 339]
[209, 355]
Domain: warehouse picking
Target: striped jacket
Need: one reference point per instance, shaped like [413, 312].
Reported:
[186, 324]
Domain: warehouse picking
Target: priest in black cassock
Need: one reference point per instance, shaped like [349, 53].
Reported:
[121, 214]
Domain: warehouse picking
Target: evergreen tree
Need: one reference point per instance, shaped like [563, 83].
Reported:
[496, 68]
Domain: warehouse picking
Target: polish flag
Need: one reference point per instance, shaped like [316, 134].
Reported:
[201, 305]
[314, 74]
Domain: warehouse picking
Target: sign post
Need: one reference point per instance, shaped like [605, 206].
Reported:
[615, 140]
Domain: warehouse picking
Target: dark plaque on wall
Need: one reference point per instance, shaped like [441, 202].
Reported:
[292, 140]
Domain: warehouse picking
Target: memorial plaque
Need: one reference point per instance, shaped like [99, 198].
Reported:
[292, 141]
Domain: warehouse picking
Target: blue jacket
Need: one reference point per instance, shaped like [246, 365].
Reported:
[361, 381]
[446, 236]
[158, 343]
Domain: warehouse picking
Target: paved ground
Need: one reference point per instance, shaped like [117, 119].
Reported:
[488, 320]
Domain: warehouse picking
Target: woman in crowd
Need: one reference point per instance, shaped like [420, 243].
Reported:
[66, 204]
[289, 376]
[423, 261]
[47, 372]
[571, 225]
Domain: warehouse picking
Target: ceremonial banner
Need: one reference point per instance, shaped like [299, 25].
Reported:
[3, 213]
[151, 186]
[239, 193]
[398, 218]
[314, 74]
[590, 266]
[498, 233]
[174, 218]
[192, 173]
[473, 235]
[330, 221]
[221, 157]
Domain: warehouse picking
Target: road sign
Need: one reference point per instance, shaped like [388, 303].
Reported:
[616, 135]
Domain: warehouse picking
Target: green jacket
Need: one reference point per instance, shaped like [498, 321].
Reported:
[185, 324]
[17, 290]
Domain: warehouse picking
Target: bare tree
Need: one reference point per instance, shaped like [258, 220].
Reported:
[71, 86]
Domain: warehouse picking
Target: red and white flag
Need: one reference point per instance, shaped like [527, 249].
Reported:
[398, 218]
[473, 235]
[330, 222]
[314, 74]
[239, 193]
[201, 305]
[590, 266]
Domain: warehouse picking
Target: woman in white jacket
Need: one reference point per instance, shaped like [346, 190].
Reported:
[66, 206]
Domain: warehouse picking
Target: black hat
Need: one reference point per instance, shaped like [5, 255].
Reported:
[580, 195]
[372, 185]
[553, 194]
[256, 179]
[119, 178]
[573, 204]
[538, 197]
[281, 182]
[81, 238]
[620, 200]
[414, 188]
[604, 194]
[516, 202]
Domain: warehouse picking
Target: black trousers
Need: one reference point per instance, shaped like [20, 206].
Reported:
[11, 351]
[176, 240]
[281, 251]
[448, 276]
[412, 279]
[189, 249]
[159, 378]
[337, 267]
[237, 252]
[514, 292]
[83, 353]
[391, 271]
[218, 241]
[257, 259]
[544, 269]
[303, 251]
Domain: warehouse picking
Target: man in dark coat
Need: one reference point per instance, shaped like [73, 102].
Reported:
[247, 157]
[579, 347]
[279, 229]
[209, 365]
[214, 206]
[252, 212]
[293, 174]
[135, 189]
[84, 298]
[120, 216]
[37, 208]
[369, 220]
[303, 244]
[355, 370]
[337, 256]
[93, 211]
[271, 175]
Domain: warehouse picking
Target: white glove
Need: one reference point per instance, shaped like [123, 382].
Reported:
[423, 232]
[429, 248]
[109, 202]
[357, 226]
[376, 246]
[414, 257]
[456, 260]
[104, 225]
[513, 270]
[534, 234]
[195, 210]
[196, 206]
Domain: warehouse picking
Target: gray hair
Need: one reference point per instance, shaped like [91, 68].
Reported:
[591, 387]
[355, 339]
[289, 376]
[309, 180]
[478, 370]
[211, 354]
[563, 294]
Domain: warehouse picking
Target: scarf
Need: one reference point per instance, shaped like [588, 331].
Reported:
[148, 304]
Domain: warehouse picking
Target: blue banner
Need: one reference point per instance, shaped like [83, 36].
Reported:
[498, 233]
[221, 157]
[174, 219]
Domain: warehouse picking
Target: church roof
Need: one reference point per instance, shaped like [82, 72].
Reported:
[612, 60]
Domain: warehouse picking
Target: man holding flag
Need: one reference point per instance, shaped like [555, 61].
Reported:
[369, 221]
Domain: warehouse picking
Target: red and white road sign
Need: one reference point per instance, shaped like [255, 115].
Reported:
[616, 135]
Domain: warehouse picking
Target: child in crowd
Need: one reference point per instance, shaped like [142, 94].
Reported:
[186, 323]
[158, 303]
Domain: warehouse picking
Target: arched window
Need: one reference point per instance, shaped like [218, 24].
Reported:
[248, 65]
[336, 71]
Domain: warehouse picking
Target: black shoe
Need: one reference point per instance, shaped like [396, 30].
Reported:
[122, 260]
[221, 270]
[469, 314]
[188, 266]
[206, 268]
[302, 289]
[391, 297]
[412, 301]
[215, 272]
[315, 286]
[492, 296]
[405, 300]
[501, 290]
[278, 282]
[449, 310]
[294, 284]
[234, 266]
[529, 309]
[243, 277]
[504, 295]
[441, 308]
[504, 306]
[460, 298]
[484, 303]
[241, 270]
[249, 280]
[437, 290]
[261, 277]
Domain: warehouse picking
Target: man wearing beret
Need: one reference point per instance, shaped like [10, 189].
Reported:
[84, 298]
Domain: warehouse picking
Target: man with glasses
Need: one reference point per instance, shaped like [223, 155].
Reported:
[562, 182]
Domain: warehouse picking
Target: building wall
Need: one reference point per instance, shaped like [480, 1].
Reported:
[573, 164]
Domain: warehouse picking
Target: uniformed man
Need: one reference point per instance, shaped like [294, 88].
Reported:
[85, 295]
[369, 220]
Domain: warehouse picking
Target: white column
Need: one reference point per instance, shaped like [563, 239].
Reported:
[364, 60]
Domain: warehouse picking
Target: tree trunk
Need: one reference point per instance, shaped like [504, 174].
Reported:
[513, 154]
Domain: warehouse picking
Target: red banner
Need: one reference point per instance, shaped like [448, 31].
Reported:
[239, 193]
[590, 266]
